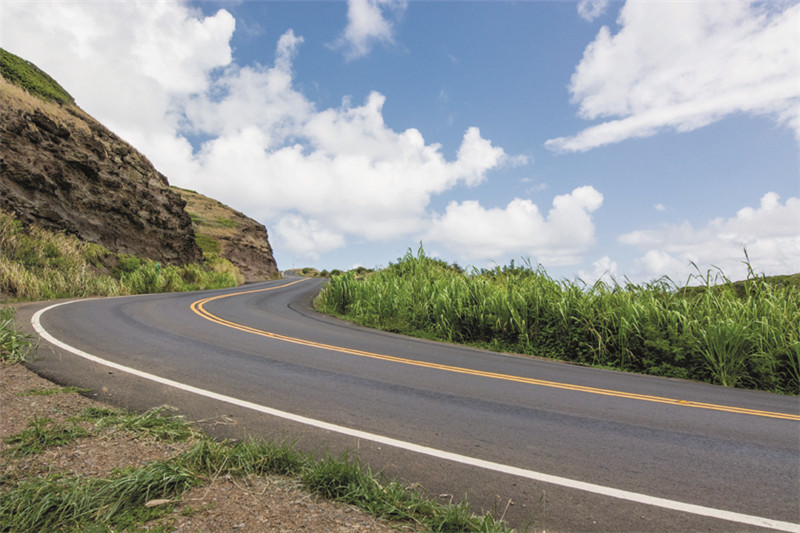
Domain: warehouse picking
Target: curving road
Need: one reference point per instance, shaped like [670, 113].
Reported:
[555, 446]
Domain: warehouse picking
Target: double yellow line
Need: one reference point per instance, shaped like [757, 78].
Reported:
[198, 307]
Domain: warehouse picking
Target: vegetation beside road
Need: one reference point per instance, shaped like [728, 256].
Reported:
[36, 264]
[744, 334]
[151, 494]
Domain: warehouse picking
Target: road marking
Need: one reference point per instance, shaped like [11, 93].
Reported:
[198, 308]
[636, 497]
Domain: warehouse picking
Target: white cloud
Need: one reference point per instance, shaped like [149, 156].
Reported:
[769, 233]
[367, 24]
[591, 9]
[682, 66]
[471, 231]
[660, 207]
[123, 62]
[316, 178]
[604, 270]
[307, 238]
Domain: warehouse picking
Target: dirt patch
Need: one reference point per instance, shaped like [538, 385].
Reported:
[225, 504]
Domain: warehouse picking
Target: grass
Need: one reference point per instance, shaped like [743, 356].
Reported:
[14, 345]
[36, 264]
[43, 433]
[153, 423]
[743, 334]
[28, 76]
[126, 499]
[62, 502]
[52, 391]
[68, 503]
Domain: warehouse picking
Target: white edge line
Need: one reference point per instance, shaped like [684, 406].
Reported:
[425, 450]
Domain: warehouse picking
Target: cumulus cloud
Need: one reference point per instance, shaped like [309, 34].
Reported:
[471, 231]
[682, 66]
[123, 62]
[591, 9]
[159, 74]
[367, 24]
[603, 270]
[770, 233]
[309, 238]
[342, 169]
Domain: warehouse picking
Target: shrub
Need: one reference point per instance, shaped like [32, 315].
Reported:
[718, 333]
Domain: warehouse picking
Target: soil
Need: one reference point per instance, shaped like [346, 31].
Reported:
[226, 504]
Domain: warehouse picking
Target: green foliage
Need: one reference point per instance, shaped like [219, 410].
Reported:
[59, 503]
[36, 264]
[152, 423]
[198, 220]
[742, 334]
[346, 480]
[227, 223]
[28, 76]
[66, 503]
[14, 345]
[209, 245]
[43, 433]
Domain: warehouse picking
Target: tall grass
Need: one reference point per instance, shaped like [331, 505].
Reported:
[15, 345]
[744, 335]
[36, 264]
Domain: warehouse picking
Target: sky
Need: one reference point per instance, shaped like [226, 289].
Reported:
[625, 140]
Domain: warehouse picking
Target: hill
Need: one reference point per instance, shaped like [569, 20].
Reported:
[61, 170]
[226, 232]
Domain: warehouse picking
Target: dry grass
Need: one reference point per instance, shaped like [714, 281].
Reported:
[14, 97]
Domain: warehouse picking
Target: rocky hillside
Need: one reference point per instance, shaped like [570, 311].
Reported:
[224, 231]
[64, 171]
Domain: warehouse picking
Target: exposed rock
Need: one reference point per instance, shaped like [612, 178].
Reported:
[236, 237]
[63, 170]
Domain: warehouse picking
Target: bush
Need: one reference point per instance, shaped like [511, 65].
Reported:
[36, 264]
[719, 334]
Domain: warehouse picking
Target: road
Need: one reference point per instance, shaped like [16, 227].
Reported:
[553, 446]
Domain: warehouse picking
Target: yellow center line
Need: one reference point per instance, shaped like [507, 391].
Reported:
[198, 308]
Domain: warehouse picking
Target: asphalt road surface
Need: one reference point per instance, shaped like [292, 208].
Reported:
[548, 445]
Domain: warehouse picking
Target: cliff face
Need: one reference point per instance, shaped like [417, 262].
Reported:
[63, 170]
[239, 239]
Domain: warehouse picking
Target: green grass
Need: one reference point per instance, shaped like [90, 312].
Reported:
[735, 334]
[227, 222]
[43, 433]
[209, 245]
[67, 503]
[36, 264]
[14, 345]
[28, 76]
[153, 423]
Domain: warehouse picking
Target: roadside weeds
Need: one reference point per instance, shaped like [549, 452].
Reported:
[69, 463]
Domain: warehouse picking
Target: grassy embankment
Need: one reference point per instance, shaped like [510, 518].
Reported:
[36, 264]
[132, 496]
[744, 334]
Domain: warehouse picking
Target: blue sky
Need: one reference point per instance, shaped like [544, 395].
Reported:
[596, 138]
